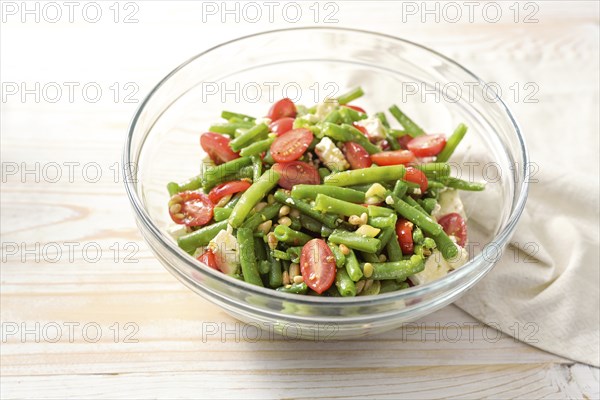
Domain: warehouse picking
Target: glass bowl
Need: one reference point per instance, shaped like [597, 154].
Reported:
[309, 64]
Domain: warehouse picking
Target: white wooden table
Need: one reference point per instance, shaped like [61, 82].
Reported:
[129, 329]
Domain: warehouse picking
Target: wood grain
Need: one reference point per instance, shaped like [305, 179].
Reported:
[171, 352]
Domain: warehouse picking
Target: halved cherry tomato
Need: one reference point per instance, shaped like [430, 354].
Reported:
[317, 265]
[416, 176]
[395, 157]
[404, 230]
[403, 141]
[281, 109]
[191, 208]
[217, 147]
[361, 128]
[296, 173]
[357, 156]
[208, 258]
[227, 188]
[427, 145]
[282, 125]
[291, 145]
[355, 108]
[454, 225]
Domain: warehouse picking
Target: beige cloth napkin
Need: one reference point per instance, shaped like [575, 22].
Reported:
[553, 299]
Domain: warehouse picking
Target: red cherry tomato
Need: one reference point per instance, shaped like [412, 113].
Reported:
[195, 208]
[357, 156]
[317, 265]
[454, 225]
[291, 145]
[394, 157]
[404, 230]
[217, 147]
[403, 141]
[355, 108]
[416, 176]
[227, 188]
[208, 258]
[361, 128]
[281, 109]
[282, 125]
[427, 145]
[296, 173]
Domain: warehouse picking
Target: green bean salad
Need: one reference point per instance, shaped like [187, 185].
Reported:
[326, 200]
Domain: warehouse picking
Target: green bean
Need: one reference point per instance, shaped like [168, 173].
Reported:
[201, 237]
[275, 272]
[256, 167]
[365, 175]
[351, 95]
[252, 196]
[463, 185]
[445, 245]
[267, 213]
[394, 252]
[415, 216]
[391, 285]
[248, 257]
[397, 269]
[254, 133]
[257, 147]
[385, 236]
[400, 188]
[296, 288]
[193, 183]
[264, 266]
[323, 172]
[353, 267]
[326, 231]
[334, 117]
[329, 220]
[310, 224]
[411, 127]
[228, 115]
[429, 243]
[371, 290]
[341, 193]
[340, 258]
[260, 248]
[376, 211]
[328, 204]
[221, 213]
[369, 257]
[360, 138]
[397, 133]
[434, 170]
[428, 204]
[354, 241]
[384, 121]
[280, 255]
[229, 128]
[268, 159]
[295, 224]
[349, 116]
[431, 184]
[452, 143]
[383, 222]
[218, 174]
[294, 252]
[361, 188]
[344, 284]
[287, 235]
[417, 235]
[414, 203]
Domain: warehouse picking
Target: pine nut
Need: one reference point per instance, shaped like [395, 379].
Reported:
[368, 270]
[283, 211]
[344, 249]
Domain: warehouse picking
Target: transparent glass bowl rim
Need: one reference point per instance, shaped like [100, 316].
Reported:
[422, 290]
